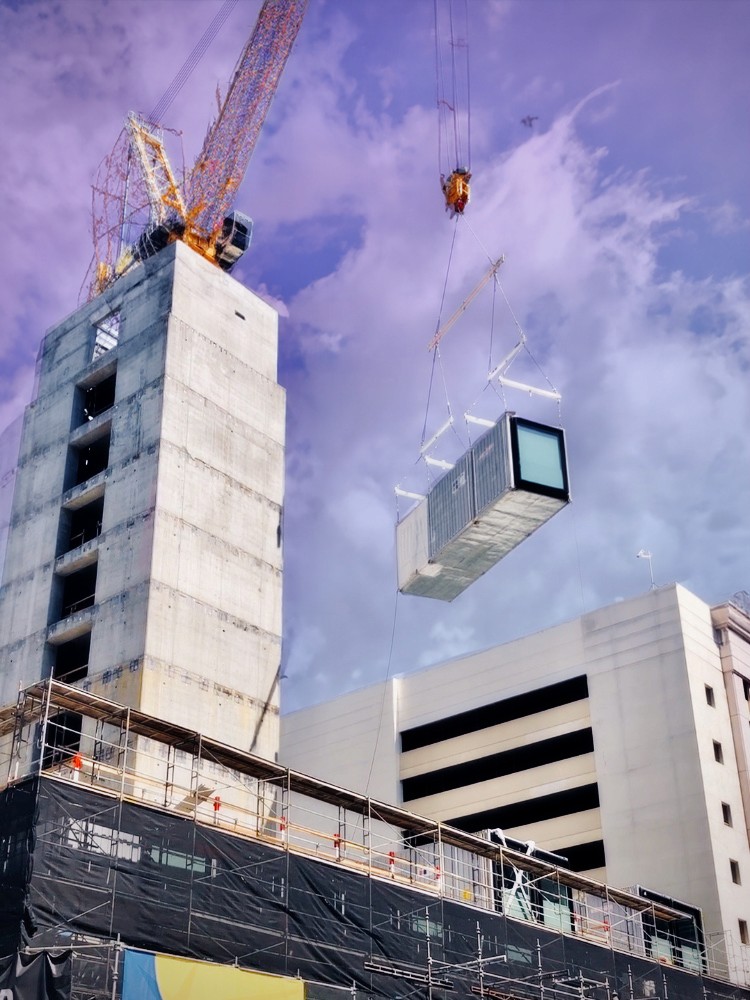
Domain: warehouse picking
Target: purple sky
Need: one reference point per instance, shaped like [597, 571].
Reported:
[624, 216]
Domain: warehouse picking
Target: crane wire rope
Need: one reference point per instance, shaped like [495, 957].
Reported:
[436, 352]
[199, 50]
[454, 45]
[488, 383]
[456, 128]
[435, 359]
[468, 88]
[522, 336]
[385, 691]
[492, 325]
[447, 85]
[437, 87]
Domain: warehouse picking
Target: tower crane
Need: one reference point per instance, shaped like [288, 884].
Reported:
[139, 206]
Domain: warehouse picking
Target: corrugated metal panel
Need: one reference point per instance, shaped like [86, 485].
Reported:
[450, 504]
[492, 469]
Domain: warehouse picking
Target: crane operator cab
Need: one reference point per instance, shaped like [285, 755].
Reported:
[456, 190]
[234, 239]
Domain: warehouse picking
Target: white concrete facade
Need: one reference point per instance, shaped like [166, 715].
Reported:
[171, 589]
[620, 740]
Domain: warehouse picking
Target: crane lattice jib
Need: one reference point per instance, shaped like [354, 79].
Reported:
[222, 162]
[164, 195]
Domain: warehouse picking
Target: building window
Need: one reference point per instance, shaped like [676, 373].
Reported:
[107, 334]
[746, 688]
[735, 869]
[78, 590]
[710, 696]
[71, 661]
[88, 460]
[743, 932]
[727, 813]
[81, 525]
[94, 398]
[62, 738]
[718, 753]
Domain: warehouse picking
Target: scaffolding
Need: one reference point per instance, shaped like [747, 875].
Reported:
[150, 835]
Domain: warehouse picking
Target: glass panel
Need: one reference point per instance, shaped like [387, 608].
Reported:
[691, 959]
[661, 949]
[557, 915]
[539, 457]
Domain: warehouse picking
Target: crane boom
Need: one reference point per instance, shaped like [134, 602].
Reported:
[229, 144]
[138, 206]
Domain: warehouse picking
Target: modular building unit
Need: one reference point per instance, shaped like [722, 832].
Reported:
[501, 490]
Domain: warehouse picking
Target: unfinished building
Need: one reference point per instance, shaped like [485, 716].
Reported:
[619, 740]
[107, 856]
[144, 556]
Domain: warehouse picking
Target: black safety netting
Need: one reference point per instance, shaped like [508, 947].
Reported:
[81, 866]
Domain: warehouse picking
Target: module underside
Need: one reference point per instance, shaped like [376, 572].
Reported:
[497, 530]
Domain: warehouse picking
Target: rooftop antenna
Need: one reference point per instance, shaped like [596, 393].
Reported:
[645, 554]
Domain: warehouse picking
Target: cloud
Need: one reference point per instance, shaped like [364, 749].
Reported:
[446, 641]
[643, 329]
[652, 407]
[726, 218]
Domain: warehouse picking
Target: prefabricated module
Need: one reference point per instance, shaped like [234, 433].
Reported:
[508, 484]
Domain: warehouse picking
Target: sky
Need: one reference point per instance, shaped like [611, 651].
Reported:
[623, 214]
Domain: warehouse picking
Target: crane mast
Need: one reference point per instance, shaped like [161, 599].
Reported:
[138, 206]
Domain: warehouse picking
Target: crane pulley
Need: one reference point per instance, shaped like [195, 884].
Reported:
[139, 206]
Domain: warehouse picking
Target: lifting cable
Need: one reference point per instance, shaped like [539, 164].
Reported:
[522, 341]
[385, 690]
[436, 353]
[449, 102]
[199, 50]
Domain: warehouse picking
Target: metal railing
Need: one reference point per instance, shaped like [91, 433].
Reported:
[343, 830]
[72, 606]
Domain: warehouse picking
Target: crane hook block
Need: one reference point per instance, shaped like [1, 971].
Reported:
[456, 190]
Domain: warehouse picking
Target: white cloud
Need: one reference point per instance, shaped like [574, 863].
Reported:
[652, 408]
[652, 361]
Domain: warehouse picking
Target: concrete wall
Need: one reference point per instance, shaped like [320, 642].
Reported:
[186, 623]
[351, 741]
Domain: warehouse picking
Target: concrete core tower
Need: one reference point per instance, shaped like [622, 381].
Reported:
[144, 558]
